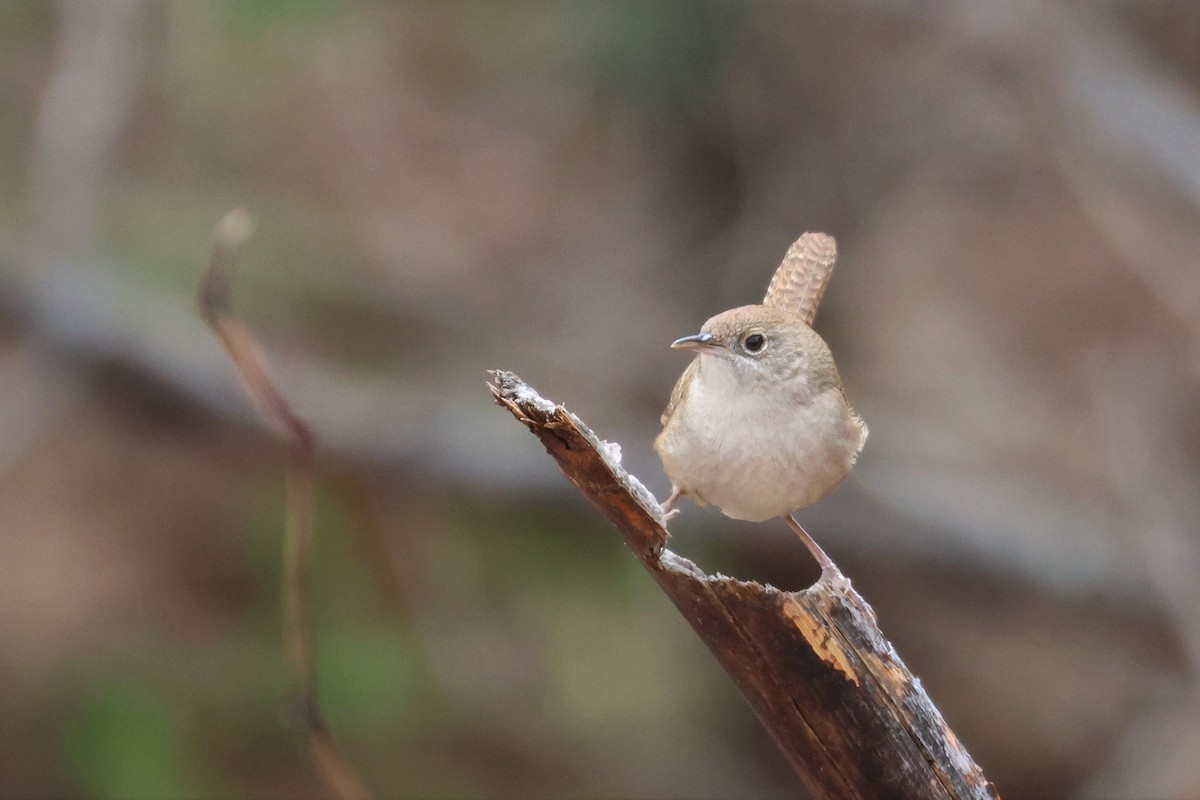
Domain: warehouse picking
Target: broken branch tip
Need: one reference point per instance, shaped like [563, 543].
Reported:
[235, 227]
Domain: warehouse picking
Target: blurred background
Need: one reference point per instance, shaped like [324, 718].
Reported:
[561, 189]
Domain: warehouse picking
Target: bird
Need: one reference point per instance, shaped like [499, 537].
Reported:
[758, 424]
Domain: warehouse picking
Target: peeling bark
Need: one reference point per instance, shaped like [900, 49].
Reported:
[848, 715]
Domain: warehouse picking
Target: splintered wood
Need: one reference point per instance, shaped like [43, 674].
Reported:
[837, 699]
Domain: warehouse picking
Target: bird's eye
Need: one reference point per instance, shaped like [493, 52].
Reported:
[754, 342]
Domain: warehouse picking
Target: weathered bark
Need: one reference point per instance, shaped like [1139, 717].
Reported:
[839, 702]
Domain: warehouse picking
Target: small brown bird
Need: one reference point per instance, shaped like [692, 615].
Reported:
[758, 424]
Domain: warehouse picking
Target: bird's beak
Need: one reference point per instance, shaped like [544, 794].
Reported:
[700, 342]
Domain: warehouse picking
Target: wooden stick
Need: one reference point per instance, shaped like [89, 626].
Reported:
[848, 715]
[243, 349]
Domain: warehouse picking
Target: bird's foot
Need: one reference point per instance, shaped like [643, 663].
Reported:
[668, 509]
[830, 574]
[834, 578]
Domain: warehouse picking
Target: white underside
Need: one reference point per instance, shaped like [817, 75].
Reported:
[755, 459]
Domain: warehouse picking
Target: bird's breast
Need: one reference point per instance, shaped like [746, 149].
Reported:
[757, 453]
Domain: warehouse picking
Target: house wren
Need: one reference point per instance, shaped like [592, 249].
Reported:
[758, 424]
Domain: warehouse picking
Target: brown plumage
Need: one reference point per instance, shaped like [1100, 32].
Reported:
[799, 282]
[758, 424]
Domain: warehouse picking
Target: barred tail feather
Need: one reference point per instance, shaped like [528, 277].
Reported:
[799, 283]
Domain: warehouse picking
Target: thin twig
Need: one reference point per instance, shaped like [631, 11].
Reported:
[299, 640]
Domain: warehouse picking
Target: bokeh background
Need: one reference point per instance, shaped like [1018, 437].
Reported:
[561, 189]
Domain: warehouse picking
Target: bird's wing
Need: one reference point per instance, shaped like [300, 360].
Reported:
[799, 283]
[679, 392]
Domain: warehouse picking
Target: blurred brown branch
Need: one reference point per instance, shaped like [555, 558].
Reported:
[839, 702]
[243, 349]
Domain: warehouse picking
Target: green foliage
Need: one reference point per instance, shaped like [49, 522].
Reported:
[372, 676]
[370, 670]
[547, 545]
[127, 739]
[253, 18]
[158, 236]
[607, 641]
[664, 59]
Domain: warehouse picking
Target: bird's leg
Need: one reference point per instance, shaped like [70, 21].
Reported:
[668, 508]
[829, 571]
